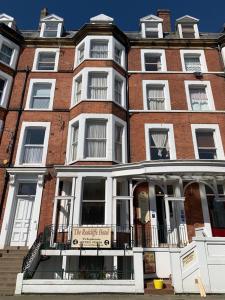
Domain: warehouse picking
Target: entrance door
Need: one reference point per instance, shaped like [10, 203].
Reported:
[23, 214]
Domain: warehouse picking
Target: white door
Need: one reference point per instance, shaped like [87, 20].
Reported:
[23, 215]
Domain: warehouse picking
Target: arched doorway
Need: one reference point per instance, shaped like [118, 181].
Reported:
[216, 210]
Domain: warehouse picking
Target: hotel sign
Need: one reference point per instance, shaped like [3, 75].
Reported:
[91, 237]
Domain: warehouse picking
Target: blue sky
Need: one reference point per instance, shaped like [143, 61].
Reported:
[125, 12]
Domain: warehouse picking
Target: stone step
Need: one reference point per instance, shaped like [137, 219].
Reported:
[167, 288]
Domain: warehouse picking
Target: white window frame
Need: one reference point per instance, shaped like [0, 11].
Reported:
[199, 53]
[155, 51]
[217, 138]
[36, 56]
[207, 84]
[165, 85]
[59, 29]
[112, 42]
[19, 153]
[112, 73]
[160, 28]
[171, 140]
[180, 31]
[111, 120]
[30, 92]
[7, 88]
[15, 52]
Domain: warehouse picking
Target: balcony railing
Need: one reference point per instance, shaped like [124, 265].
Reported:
[121, 237]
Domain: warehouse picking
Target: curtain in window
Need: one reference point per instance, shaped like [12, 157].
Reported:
[160, 139]
[41, 95]
[118, 142]
[192, 64]
[74, 142]
[99, 49]
[199, 99]
[78, 90]
[156, 98]
[96, 139]
[97, 86]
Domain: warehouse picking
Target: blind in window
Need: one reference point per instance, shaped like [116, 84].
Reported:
[99, 49]
[97, 86]
[192, 63]
[198, 96]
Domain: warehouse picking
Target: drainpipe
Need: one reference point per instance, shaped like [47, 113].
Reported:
[20, 110]
[127, 111]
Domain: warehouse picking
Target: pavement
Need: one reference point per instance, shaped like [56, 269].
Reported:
[110, 297]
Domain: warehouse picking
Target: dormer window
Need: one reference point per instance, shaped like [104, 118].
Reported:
[7, 20]
[51, 27]
[151, 27]
[187, 27]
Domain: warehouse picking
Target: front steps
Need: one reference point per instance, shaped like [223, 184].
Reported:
[167, 288]
[11, 260]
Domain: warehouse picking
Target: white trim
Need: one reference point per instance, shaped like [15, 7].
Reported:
[155, 51]
[164, 84]
[19, 153]
[7, 88]
[30, 91]
[112, 42]
[200, 53]
[15, 52]
[207, 85]
[111, 74]
[151, 19]
[51, 19]
[216, 135]
[36, 56]
[171, 140]
[110, 137]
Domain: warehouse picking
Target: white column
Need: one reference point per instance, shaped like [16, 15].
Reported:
[180, 213]
[223, 55]
[108, 201]
[138, 270]
[205, 210]
[77, 204]
[153, 215]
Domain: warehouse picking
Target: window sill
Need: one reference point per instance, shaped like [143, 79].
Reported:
[97, 100]
[44, 71]
[38, 109]
[101, 59]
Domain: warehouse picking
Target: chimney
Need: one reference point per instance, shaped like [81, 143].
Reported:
[44, 13]
[165, 14]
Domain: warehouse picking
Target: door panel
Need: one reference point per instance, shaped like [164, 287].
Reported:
[22, 221]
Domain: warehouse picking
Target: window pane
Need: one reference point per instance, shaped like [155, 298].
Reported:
[78, 85]
[99, 49]
[117, 55]
[6, 54]
[156, 98]
[205, 139]
[46, 61]
[118, 142]
[159, 148]
[35, 136]
[199, 100]
[96, 139]
[152, 62]
[41, 95]
[93, 213]
[75, 130]
[81, 53]
[192, 63]
[94, 189]
[27, 189]
[51, 29]
[97, 86]
[188, 30]
[118, 90]
[2, 85]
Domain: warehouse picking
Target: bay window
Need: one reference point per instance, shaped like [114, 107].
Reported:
[5, 88]
[78, 85]
[6, 53]
[92, 137]
[118, 90]
[80, 54]
[95, 139]
[93, 201]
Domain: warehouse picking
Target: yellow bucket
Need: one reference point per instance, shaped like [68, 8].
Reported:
[158, 284]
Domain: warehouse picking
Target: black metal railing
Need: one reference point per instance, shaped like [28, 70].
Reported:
[122, 237]
[32, 259]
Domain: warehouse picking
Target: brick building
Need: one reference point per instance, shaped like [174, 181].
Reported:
[112, 152]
